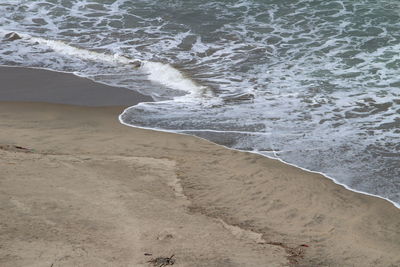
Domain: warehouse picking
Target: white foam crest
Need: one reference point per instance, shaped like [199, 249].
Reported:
[68, 50]
[157, 72]
[115, 7]
[199, 46]
[167, 75]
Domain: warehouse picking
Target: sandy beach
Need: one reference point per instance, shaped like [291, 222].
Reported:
[80, 189]
[36, 85]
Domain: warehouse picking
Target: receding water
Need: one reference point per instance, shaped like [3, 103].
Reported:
[316, 83]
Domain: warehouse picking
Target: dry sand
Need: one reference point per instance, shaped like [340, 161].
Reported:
[80, 189]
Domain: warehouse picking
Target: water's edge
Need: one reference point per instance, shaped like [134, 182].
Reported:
[314, 83]
[397, 205]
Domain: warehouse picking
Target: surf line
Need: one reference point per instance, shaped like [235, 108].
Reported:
[157, 72]
[397, 205]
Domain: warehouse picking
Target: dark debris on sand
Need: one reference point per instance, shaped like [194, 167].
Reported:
[162, 261]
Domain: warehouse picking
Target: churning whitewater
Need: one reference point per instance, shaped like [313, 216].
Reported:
[315, 83]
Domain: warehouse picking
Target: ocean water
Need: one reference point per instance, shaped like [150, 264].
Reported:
[315, 83]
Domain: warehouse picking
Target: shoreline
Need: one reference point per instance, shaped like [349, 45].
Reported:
[397, 205]
[145, 98]
[243, 189]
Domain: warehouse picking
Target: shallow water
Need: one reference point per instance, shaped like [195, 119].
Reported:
[315, 83]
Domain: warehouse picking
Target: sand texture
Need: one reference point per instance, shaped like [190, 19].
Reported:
[88, 191]
[77, 188]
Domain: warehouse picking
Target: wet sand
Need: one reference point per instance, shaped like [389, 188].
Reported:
[80, 189]
[36, 85]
